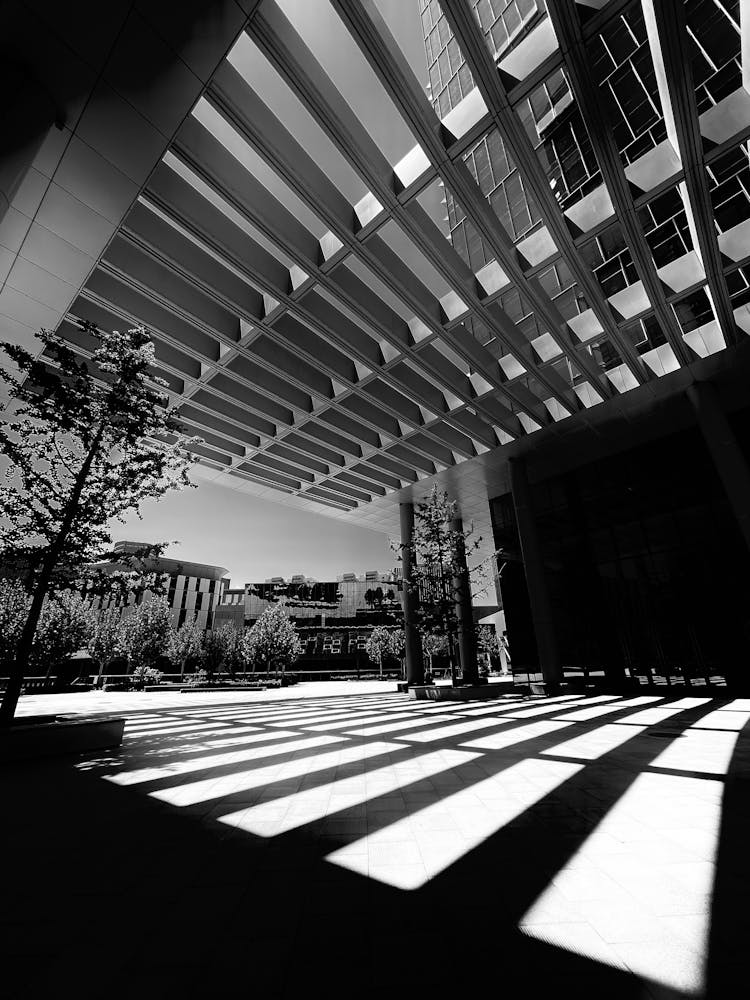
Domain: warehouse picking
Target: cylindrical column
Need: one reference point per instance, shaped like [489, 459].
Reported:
[536, 583]
[413, 643]
[725, 453]
[467, 647]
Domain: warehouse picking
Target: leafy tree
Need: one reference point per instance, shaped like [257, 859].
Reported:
[235, 655]
[390, 596]
[383, 641]
[398, 648]
[185, 644]
[86, 441]
[369, 596]
[439, 567]
[216, 648]
[106, 640]
[378, 596]
[433, 645]
[14, 609]
[487, 641]
[66, 625]
[273, 641]
[147, 633]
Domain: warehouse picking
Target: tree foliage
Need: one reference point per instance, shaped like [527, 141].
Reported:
[147, 633]
[398, 642]
[487, 640]
[383, 641]
[216, 646]
[434, 644]
[106, 640]
[87, 440]
[273, 641]
[185, 643]
[66, 625]
[14, 609]
[124, 577]
[439, 552]
[235, 653]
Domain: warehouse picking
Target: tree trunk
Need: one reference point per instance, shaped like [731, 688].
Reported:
[20, 664]
[452, 656]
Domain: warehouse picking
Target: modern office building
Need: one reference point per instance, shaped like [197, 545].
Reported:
[334, 618]
[349, 598]
[567, 355]
[194, 590]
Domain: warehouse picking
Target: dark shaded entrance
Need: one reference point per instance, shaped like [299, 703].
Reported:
[648, 573]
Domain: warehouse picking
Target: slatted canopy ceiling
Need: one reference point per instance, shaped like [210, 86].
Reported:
[319, 331]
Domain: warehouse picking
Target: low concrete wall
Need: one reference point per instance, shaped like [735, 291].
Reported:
[61, 736]
[435, 692]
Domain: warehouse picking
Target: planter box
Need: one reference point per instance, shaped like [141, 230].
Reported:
[208, 688]
[469, 692]
[26, 741]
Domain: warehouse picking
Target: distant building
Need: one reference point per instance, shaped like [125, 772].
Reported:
[194, 590]
[349, 599]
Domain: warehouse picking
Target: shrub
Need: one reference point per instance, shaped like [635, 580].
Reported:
[146, 675]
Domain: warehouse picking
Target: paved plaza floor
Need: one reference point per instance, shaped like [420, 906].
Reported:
[348, 841]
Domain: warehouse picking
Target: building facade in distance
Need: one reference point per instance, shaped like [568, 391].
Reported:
[194, 590]
[349, 599]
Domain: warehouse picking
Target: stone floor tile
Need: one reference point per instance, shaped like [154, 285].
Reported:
[621, 920]
[594, 879]
[580, 884]
[579, 938]
[670, 964]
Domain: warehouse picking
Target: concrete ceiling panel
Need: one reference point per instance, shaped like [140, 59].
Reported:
[210, 30]
[113, 127]
[56, 256]
[6, 263]
[13, 228]
[28, 197]
[68, 217]
[88, 176]
[51, 150]
[87, 27]
[17, 332]
[40, 285]
[163, 88]
[16, 305]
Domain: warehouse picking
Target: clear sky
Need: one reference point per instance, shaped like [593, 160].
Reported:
[255, 538]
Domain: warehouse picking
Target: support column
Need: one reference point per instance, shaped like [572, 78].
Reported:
[726, 455]
[536, 582]
[467, 647]
[413, 643]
